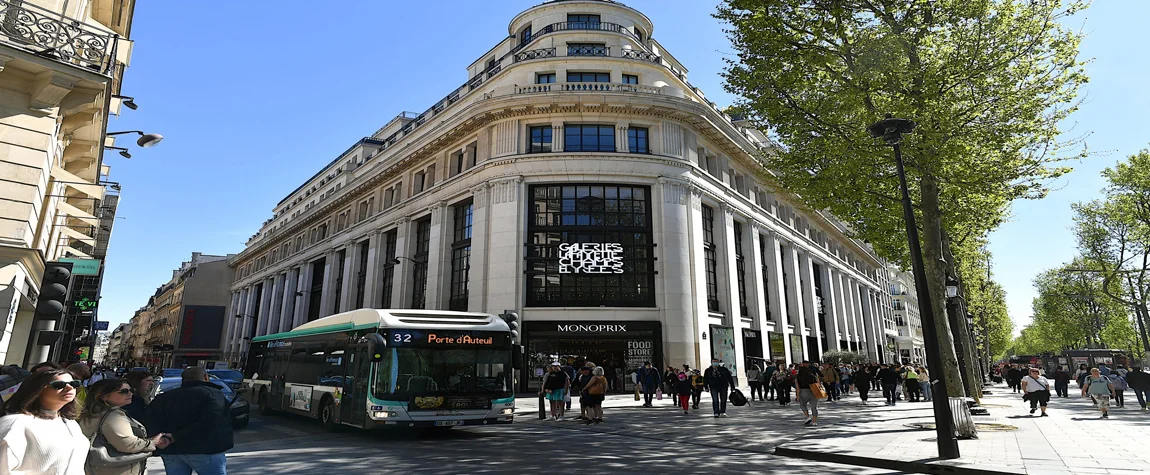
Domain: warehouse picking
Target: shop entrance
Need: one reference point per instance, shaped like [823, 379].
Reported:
[619, 347]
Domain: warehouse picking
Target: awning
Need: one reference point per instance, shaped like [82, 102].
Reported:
[75, 252]
[79, 184]
[78, 213]
[77, 235]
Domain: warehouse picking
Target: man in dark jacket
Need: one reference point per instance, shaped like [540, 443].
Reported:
[648, 379]
[890, 380]
[197, 417]
[768, 373]
[719, 380]
[1139, 382]
[1062, 382]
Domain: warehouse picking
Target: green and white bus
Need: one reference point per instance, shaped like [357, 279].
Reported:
[388, 368]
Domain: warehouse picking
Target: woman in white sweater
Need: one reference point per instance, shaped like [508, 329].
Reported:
[39, 434]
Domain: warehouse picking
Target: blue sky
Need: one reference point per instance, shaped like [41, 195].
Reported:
[253, 97]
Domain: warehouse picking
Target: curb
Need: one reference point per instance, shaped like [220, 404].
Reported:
[896, 465]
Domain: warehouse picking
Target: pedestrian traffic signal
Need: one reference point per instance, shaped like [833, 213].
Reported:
[50, 304]
[512, 320]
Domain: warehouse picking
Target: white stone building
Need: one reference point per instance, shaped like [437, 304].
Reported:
[577, 128]
[904, 303]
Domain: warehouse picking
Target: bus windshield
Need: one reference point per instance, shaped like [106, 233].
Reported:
[407, 372]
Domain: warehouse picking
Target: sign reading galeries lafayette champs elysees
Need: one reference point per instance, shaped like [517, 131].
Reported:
[591, 258]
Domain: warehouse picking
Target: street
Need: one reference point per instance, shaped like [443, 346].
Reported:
[282, 444]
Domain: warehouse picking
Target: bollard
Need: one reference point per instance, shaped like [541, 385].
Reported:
[542, 411]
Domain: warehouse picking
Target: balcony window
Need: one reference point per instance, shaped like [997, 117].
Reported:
[540, 139]
[525, 35]
[587, 49]
[589, 138]
[588, 77]
[583, 22]
[637, 140]
[545, 78]
[630, 79]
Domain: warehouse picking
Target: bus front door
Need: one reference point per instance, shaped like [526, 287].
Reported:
[356, 384]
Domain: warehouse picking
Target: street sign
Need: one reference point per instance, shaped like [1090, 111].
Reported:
[83, 266]
[99, 326]
[84, 303]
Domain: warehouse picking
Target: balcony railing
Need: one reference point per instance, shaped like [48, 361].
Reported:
[642, 56]
[589, 50]
[53, 35]
[577, 25]
[587, 87]
[534, 54]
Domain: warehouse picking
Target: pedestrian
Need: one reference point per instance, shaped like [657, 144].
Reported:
[862, 379]
[1081, 374]
[1014, 378]
[141, 383]
[571, 375]
[555, 388]
[197, 417]
[104, 415]
[698, 384]
[924, 384]
[578, 386]
[684, 390]
[719, 380]
[1119, 383]
[32, 438]
[889, 379]
[649, 380]
[670, 377]
[1036, 389]
[754, 376]
[912, 387]
[847, 379]
[783, 382]
[1139, 382]
[808, 401]
[1103, 370]
[1062, 382]
[830, 380]
[81, 372]
[594, 392]
[1099, 389]
[766, 377]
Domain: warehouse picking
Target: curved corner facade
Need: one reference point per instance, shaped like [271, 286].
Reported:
[578, 178]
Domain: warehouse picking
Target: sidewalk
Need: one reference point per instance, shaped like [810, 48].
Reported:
[1071, 440]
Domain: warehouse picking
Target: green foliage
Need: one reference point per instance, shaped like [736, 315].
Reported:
[837, 357]
[986, 299]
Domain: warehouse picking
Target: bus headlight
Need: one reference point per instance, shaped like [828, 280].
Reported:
[508, 411]
[382, 414]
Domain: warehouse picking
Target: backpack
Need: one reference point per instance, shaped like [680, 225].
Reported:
[1118, 381]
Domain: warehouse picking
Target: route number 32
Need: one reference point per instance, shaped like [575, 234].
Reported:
[401, 337]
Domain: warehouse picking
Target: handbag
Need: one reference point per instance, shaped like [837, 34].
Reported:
[659, 394]
[817, 391]
[102, 454]
[637, 393]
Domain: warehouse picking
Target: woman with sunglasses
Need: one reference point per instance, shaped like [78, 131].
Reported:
[38, 434]
[141, 383]
[103, 412]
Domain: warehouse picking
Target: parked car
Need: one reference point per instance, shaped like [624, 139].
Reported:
[239, 407]
[232, 377]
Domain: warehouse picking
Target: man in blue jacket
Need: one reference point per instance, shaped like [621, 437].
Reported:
[719, 381]
[648, 379]
[196, 415]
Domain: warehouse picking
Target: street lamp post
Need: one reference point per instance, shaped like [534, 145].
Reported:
[890, 130]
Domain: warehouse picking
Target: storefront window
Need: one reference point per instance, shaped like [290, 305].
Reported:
[564, 271]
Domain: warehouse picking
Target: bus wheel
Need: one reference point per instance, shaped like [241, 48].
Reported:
[263, 401]
[327, 415]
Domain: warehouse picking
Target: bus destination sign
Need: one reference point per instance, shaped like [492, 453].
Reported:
[447, 339]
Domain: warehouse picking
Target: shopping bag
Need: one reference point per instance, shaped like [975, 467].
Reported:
[637, 393]
[566, 396]
[817, 390]
[737, 398]
[659, 394]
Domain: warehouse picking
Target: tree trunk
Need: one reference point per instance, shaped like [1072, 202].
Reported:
[936, 283]
[972, 378]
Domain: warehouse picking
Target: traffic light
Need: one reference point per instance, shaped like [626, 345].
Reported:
[51, 303]
[512, 320]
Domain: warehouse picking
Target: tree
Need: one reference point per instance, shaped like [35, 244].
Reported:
[988, 82]
[1073, 311]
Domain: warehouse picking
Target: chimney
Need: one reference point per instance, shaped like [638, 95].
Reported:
[196, 257]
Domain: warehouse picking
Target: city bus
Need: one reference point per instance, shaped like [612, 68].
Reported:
[374, 369]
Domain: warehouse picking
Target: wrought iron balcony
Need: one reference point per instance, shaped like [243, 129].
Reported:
[577, 25]
[534, 54]
[642, 56]
[52, 35]
[588, 50]
[587, 87]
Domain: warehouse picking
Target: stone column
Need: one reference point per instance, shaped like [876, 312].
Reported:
[856, 310]
[843, 322]
[778, 298]
[870, 339]
[375, 250]
[621, 138]
[794, 294]
[327, 297]
[287, 307]
[831, 302]
[557, 137]
[700, 317]
[480, 229]
[274, 317]
[438, 269]
[404, 247]
[734, 314]
[267, 296]
[756, 285]
[350, 264]
[506, 235]
[810, 304]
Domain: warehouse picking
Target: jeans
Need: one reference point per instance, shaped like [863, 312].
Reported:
[770, 390]
[202, 464]
[647, 398]
[695, 395]
[832, 390]
[1118, 397]
[1143, 395]
[1062, 388]
[924, 386]
[719, 400]
[806, 397]
[912, 388]
[888, 391]
[757, 387]
[784, 394]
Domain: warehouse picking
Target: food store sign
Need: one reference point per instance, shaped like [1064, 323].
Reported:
[591, 258]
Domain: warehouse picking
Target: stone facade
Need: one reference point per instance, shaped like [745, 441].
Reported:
[904, 303]
[579, 127]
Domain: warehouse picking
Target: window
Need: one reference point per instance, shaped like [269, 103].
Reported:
[766, 274]
[419, 264]
[630, 79]
[709, 258]
[588, 77]
[589, 138]
[525, 36]
[544, 78]
[590, 214]
[540, 139]
[341, 258]
[583, 22]
[740, 269]
[637, 140]
[587, 49]
[461, 257]
[388, 281]
[361, 275]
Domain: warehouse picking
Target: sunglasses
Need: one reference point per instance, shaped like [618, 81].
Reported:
[126, 391]
[60, 385]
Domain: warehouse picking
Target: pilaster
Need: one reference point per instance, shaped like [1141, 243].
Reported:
[480, 227]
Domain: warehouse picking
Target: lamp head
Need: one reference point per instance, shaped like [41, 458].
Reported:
[891, 129]
[149, 140]
[125, 154]
[129, 103]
